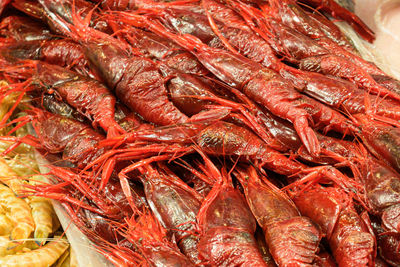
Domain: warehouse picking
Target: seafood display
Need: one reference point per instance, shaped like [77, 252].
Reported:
[195, 133]
[29, 228]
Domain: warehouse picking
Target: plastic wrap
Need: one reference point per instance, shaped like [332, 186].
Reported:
[383, 17]
[86, 254]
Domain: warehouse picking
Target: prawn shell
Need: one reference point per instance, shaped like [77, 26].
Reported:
[382, 185]
[222, 138]
[184, 88]
[25, 29]
[176, 208]
[41, 257]
[5, 225]
[19, 212]
[382, 140]
[228, 229]
[9, 177]
[348, 237]
[230, 246]
[42, 212]
[292, 233]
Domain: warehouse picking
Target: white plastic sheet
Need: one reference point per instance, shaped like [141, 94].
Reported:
[86, 254]
[383, 16]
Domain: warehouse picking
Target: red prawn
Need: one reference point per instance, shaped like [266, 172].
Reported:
[332, 209]
[227, 226]
[293, 240]
[174, 204]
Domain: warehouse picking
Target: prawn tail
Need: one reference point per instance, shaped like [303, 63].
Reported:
[115, 131]
[308, 136]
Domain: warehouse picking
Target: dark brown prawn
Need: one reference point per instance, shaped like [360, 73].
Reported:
[76, 141]
[381, 139]
[382, 192]
[388, 244]
[59, 107]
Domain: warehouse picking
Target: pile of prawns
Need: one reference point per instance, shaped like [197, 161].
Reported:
[209, 133]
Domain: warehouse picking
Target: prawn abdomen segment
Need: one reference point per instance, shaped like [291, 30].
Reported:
[226, 240]
[298, 233]
[269, 89]
[142, 88]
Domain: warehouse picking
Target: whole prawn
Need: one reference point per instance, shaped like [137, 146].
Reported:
[87, 95]
[61, 52]
[75, 140]
[348, 235]
[280, 219]
[174, 204]
[227, 226]
[41, 257]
